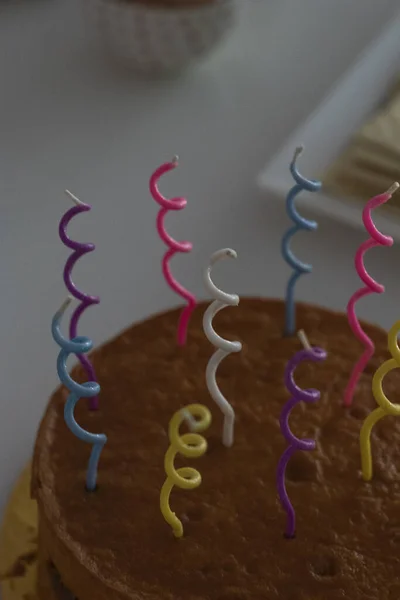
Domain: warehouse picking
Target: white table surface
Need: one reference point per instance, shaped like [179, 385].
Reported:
[70, 120]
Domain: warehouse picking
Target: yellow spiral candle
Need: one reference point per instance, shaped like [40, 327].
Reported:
[385, 407]
[191, 445]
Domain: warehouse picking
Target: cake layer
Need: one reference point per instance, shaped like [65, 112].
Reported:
[114, 544]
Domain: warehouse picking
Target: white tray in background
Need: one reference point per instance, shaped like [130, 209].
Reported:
[327, 131]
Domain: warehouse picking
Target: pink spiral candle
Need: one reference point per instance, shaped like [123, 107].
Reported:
[174, 246]
[371, 286]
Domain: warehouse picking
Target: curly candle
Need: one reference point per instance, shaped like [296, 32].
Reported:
[190, 445]
[385, 407]
[224, 347]
[90, 389]
[300, 222]
[173, 245]
[371, 286]
[314, 354]
[85, 300]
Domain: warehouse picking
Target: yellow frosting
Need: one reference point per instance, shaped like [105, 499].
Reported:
[19, 544]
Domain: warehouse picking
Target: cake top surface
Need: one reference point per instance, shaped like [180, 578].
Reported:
[348, 531]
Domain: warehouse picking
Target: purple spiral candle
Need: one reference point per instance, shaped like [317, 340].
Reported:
[314, 354]
[85, 300]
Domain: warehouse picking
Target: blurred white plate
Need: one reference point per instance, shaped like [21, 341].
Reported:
[327, 131]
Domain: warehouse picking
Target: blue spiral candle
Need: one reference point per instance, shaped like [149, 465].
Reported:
[78, 345]
[299, 268]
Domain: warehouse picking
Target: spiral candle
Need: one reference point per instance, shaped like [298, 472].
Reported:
[299, 267]
[314, 354]
[385, 407]
[90, 389]
[85, 300]
[190, 445]
[224, 347]
[371, 286]
[174, 246]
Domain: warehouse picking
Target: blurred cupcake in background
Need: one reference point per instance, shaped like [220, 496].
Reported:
[159, 35]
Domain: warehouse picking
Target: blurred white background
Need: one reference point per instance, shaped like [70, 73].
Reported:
[70, 119]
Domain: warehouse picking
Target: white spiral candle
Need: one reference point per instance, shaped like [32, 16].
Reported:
[224, 347]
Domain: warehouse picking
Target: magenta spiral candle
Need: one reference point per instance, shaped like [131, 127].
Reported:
[85, 300]
[314, 354]
[370, 287]
[174, 246]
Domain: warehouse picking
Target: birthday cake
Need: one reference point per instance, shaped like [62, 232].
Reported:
[113, 543]
[241, 463]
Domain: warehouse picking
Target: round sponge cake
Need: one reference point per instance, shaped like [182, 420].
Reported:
[113, 544]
